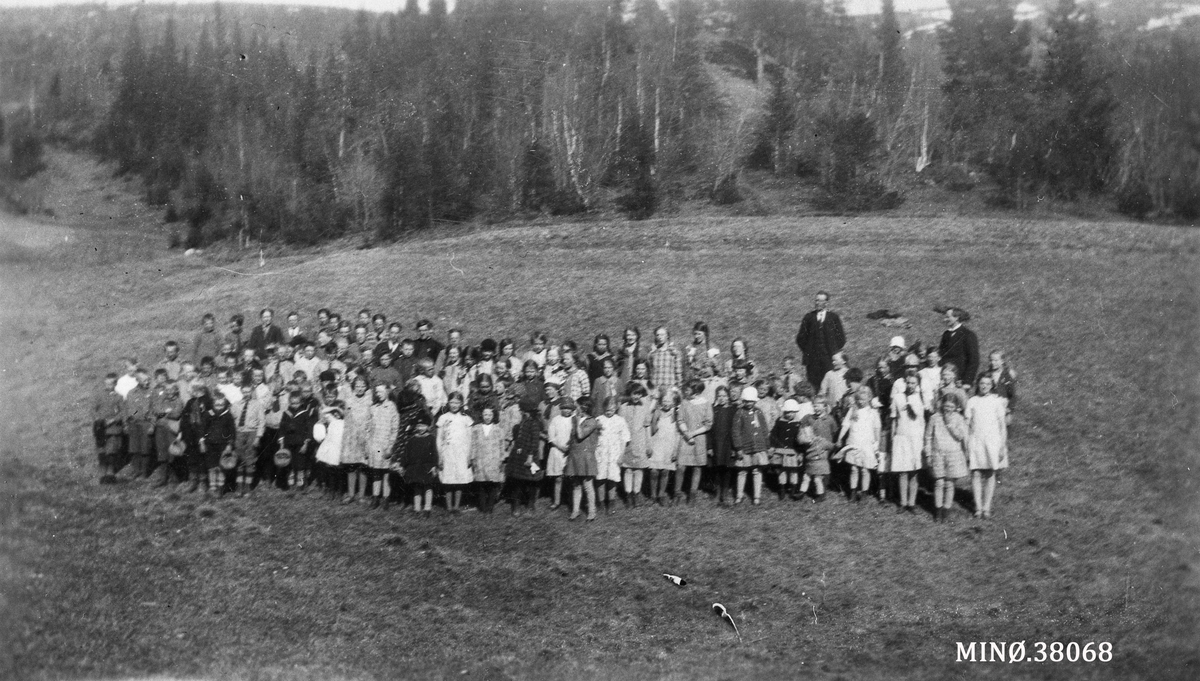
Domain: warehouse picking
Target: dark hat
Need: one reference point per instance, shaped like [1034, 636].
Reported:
[567, 403]
[488, 345]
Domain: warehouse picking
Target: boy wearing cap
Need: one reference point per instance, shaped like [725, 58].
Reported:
[751, 440]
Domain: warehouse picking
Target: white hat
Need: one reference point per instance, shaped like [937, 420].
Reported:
[791, 405]
[749, 394]
[898, 342]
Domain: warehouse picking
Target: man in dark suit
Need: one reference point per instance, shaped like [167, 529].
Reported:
[295, 335]
[265, 334]
[820, 337]
[389, 342]
[959, 346]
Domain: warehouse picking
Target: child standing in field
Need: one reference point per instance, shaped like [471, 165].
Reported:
[295, 435]
[636, 459]
[789, 378]
[614, 437]
[558, 439]
[167, 409]
[860, 438]
[357, 440]
[987, 443]
[908, 436]
[833, 385]
[330, 433]
[608, 384]
[816, 458]
[454, 451]
[721, 441]
[664, 443]
[930, 377]
[419, 464]
[139, 422]
[785, 452]
[487, 454]
[750, 436]
[219, 440]
[524, 469]
[385, 425]
[581, 465]
[108, 426]
[251, 423]
[695, 420]
[945, 445]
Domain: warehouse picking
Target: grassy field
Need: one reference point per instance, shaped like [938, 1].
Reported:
[1095, 537]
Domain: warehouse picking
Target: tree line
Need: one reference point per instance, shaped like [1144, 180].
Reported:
[388, 123]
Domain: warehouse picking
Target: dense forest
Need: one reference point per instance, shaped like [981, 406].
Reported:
[304, 124]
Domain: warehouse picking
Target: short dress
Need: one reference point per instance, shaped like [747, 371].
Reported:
[558, 430]
[695, 415]
[945, 445]
[910, 433]
[454, 448]
[664, 443]
[987, 443]
[720, 437]
[637, 417]
[860, 433]
[487, 451]
[614, 435]
[357, 440]
[385, 424]
[581, 454]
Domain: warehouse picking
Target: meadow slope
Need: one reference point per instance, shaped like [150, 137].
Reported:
[1094, 539]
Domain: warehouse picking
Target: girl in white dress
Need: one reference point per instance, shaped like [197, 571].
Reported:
[454, 451]
[908, 438]
[987, 443]
[614, 436]
[860, 435]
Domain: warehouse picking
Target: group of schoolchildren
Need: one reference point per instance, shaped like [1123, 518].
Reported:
[352, 409]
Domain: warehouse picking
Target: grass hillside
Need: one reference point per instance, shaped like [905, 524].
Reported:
[1094, 537]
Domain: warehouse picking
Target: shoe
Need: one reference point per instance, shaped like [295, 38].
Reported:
[820, 498]
[756, 502]
[900, 510]
[977, 514]
[987, 515]
[573, 516]
[857, 498]
[591, 517]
